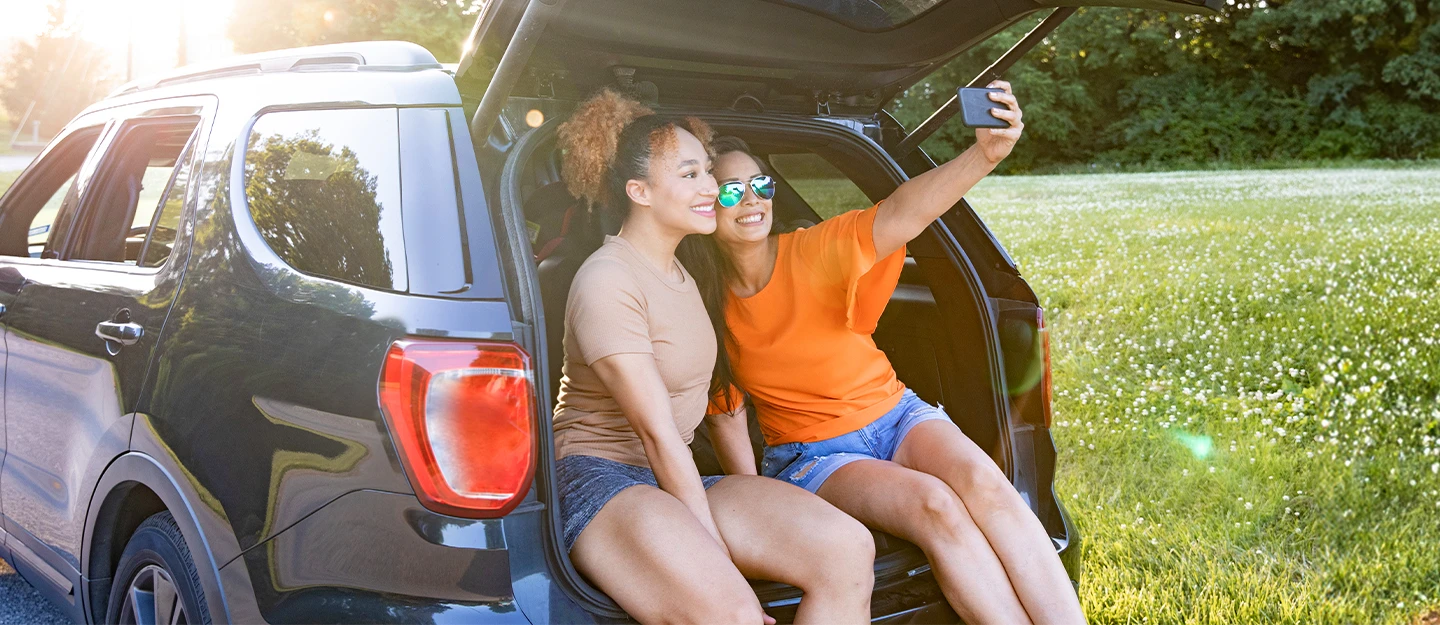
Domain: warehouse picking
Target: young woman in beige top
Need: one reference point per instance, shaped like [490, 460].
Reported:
[640, 522]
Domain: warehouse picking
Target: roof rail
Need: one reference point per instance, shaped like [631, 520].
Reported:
[364, 56]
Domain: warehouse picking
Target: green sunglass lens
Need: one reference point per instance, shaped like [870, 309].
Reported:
[764, 187]
[731, 193]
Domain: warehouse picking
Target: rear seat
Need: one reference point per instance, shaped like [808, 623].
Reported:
[566, 239]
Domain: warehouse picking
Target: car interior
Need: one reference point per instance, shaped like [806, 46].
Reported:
[133, 185]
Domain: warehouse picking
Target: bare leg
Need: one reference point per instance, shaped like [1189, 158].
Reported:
[651, 555]
[939, 448]
[780, 532]
[924, 510]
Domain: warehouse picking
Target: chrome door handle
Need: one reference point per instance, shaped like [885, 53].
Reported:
[123, 333]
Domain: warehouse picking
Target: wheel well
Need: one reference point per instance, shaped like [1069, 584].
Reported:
[124, 509]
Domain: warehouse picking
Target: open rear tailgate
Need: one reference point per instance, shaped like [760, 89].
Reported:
[773, 55]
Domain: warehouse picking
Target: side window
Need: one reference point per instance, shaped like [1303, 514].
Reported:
[823, 186]
[30, 218]
[166, 221]
[324, 190]
[38, 235]
[138, 173]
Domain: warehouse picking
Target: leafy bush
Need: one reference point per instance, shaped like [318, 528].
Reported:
[1259, 82]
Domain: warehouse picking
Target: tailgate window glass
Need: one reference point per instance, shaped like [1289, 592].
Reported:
[824, 187]
[324, 190]
[866, 14]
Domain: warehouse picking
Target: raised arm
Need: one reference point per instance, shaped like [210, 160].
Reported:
[924, 198]
[634, 380]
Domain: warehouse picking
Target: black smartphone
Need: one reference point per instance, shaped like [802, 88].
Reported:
[975, 107]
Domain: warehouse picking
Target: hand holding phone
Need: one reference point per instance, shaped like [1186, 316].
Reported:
[995, 140]
[975, 107]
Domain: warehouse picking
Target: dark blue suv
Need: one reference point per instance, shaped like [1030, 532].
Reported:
[281, 334]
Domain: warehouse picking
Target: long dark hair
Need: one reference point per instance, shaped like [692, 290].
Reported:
[713, 272]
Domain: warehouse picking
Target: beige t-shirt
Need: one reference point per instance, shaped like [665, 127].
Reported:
[622, 304]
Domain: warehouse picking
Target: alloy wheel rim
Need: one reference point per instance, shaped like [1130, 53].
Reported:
[152, 599]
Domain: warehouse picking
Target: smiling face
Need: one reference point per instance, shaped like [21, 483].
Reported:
[750, 220]
[679, 190]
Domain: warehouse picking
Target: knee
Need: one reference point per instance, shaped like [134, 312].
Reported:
[734, 606]
[943, 514]
[980, 479]
[838, 553]
[851, 546]
[736, 613]
[986, 487]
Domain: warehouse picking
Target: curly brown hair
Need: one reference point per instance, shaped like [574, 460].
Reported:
[610, 141]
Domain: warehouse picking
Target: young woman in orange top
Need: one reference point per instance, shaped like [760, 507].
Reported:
[800, 309]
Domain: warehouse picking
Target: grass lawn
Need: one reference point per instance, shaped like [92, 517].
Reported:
[1247, 375]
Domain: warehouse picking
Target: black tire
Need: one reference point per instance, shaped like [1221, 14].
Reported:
[156, 572]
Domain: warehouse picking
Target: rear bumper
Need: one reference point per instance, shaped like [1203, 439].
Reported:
[377, 557]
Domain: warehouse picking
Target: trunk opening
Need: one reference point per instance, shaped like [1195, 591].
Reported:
[952, 371]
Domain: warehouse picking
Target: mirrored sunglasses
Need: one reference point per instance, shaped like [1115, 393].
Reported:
[732, 192]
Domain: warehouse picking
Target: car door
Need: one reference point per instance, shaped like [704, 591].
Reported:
[83, 321]
[28, 213]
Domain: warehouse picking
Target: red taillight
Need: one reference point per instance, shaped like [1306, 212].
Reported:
[1045, 376]
[460, 414]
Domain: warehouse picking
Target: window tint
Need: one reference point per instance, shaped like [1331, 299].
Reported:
[166, 222]
[136, 180]
[134, 176]
[324, 189]
[824, 187]
[38, 209]
[40, 226]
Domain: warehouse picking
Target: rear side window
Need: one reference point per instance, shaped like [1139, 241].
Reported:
[324, 190]
[823, 186]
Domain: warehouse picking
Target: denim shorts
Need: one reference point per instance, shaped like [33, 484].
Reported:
[587, 483]
[808, 465]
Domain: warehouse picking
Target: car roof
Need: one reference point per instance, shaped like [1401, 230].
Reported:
[372, 73]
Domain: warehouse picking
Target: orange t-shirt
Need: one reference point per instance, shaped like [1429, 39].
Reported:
[802, 346]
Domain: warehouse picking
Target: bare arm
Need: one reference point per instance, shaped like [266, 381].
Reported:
[924, 198]
[635, 382]
[730, 433]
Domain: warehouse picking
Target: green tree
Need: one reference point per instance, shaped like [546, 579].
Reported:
[1283, 79]
[439, 25]
[58, 71]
